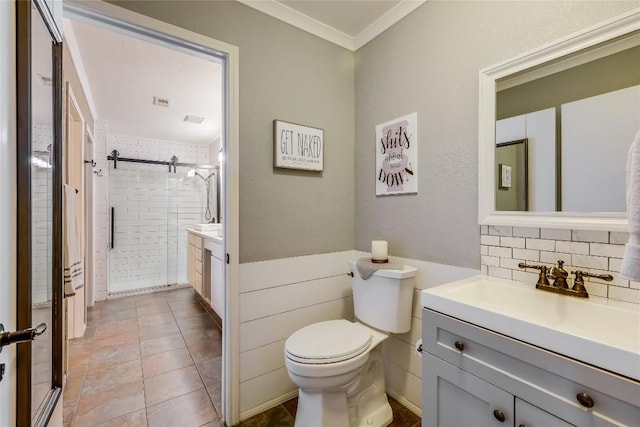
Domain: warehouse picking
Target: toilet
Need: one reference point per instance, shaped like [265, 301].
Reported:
[337, 364]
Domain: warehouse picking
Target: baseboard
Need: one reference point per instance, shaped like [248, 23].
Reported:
[268, 405]
[406, 403]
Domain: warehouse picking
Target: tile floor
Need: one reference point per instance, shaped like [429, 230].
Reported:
[155, 360]
[146, 360]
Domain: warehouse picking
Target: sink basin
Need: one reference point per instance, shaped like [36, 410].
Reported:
[207, 227]
[597, 331]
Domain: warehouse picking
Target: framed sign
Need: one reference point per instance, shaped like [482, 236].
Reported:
[397, 156]
[297, 146]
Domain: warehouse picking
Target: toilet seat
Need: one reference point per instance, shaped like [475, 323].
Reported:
[326, 342]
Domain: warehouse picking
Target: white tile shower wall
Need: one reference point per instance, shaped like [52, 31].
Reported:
[41, 187]
[598, 252]
[152, 211]
[280, 296]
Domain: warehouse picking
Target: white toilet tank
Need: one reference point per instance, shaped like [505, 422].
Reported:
[384, 300]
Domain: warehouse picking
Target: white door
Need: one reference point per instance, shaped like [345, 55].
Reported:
[7, 209]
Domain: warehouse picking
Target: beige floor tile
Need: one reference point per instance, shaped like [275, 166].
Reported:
[190, 410]
[161, 344]
[109, 404]
[171, 384]
[166, 362]
[134, 419]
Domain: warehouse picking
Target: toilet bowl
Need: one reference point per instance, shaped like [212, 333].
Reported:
[337, 364]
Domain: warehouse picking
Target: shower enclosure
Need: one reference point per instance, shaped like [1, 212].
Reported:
[152, 205]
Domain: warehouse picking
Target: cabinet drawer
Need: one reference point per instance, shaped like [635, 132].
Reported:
[198, 254]
[198, 266]
[191, 238]
[534, 374]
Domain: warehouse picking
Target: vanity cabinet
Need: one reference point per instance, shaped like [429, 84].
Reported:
[476, 377]
[194, 262]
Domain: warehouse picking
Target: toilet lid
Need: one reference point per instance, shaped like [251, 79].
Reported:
[328, 342]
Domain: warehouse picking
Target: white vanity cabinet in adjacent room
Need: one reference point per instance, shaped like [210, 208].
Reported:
[217, 277]
[476, 377]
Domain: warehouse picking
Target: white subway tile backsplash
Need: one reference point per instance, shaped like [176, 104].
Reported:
[499, 230]
[588, 261]
[490, 261]
[526, 254]
[602, 249]
[541, 244]
[555, 234]
[490, 240]
[498, 251]
[624, 294]
[597, 252]
[590, 236]
[504, 273]
[484, 229]
[581, 248]
[513, 242]
[553, 257]
[526, 232]
[618, 237]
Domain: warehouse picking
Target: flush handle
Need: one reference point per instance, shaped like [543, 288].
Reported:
[459, 345]
[8, 338]
[585, 400]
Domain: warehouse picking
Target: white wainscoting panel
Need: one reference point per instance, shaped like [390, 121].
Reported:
[281, 296]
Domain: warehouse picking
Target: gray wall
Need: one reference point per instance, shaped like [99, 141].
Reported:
[288, 74]
[429, 63]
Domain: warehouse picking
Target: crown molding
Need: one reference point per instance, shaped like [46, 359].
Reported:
[391, 17]
[299, 20]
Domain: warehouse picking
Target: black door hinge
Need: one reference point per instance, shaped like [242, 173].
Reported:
[227, 258]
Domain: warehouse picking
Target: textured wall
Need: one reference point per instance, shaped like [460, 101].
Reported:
[429, 63]
[290, 75]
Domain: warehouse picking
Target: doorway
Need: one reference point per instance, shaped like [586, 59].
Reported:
[109, 16]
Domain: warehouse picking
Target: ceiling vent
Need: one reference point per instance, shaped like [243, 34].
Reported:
[45, 80]
[161, 102]
[193, 119]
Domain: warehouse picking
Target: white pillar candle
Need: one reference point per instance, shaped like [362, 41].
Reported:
[379, 251]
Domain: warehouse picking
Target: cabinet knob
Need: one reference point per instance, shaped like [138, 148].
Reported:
[585, 400]
[499, 415]
[459, 345]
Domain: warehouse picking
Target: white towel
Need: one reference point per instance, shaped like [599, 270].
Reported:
[73, 262]
[631, 262]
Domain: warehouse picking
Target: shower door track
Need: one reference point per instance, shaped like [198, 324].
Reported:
[172, 164]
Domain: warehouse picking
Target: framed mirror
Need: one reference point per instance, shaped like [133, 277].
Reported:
[576, 103]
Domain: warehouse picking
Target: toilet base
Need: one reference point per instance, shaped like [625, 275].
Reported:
[362, 403]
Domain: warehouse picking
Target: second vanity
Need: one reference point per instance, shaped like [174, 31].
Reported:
[501, 353]
[205, 265]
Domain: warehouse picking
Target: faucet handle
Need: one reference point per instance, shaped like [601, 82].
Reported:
[542, 277]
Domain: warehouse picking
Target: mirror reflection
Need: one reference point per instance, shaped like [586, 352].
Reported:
[42, 208]
[579, 115]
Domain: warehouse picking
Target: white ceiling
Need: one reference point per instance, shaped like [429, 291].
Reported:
[121, 75]
[124, 74]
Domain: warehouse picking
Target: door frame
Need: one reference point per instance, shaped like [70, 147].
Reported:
[140, 26]
[23, 220]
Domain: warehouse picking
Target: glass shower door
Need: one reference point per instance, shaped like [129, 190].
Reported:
[138, 255]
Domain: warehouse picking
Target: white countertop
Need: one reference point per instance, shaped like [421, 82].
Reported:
[601, 332]
[211, 235]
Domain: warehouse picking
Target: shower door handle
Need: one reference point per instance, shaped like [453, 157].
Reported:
[113, 214]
